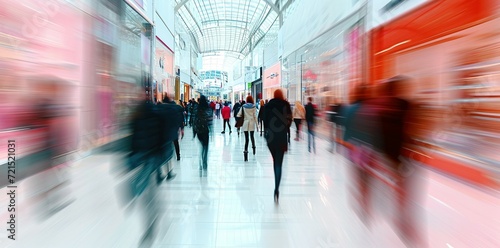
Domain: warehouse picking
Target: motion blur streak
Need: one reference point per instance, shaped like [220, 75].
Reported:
[420, 156]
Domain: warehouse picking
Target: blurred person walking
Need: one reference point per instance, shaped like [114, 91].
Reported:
[147, 151]
[191, 106]
[172, 125]
[277, 121]
[334, 119]
[226, 115]
[202, 126]
[249, 114]
[212, 106]
[378, 130]
[310, 118]
[218, 107]
[194, 111]
[261, 116]
[299, 114]
[185, 112]
[180, 129]
[57, 121]
[236, 110]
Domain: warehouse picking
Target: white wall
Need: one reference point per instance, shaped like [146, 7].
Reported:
[271, 54]
[312, 18]
[378, 17]
[165, 26]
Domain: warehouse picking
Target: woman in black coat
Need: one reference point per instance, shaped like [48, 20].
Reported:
[277, 121]
[202, 126]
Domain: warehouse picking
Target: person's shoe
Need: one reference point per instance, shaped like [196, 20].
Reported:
[178, 158]
[230, 132]
[245, 153]
[296, 139]
[160, 178]
[253, 150]
[223, 132]
[276, 195]
[171, 176]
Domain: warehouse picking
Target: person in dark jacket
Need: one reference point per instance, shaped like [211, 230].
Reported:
[180, 131]
[180, 111]
[277, 121]
[202, 126]
[310, 116]
[236, 110]
[171, 115]
[190, 109]
[261, 116]
[146, 150]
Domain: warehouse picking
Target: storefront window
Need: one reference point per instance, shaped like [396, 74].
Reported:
[327, 68]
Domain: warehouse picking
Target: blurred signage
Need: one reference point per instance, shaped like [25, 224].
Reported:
[272, 77]
[239, 87]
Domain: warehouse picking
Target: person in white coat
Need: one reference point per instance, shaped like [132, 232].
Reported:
[249, 113]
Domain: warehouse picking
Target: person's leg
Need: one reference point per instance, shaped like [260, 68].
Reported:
[253, 141]
[200, 138]
[204, 143]
[246, 140]
[150, 204]
[177, 149]
[229, 125]
[313, 139]
[277, 165]
[297, 128]
[261, 123]
[309, 136]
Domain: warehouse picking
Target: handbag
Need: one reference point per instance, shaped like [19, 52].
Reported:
[240, 120]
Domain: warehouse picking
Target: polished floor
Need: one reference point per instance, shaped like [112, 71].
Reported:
[231, 205]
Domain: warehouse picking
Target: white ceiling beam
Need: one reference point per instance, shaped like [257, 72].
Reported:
[271, 4]
[179, 5]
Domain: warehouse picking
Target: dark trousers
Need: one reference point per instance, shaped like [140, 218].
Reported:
[310, 136]
[177, 149]
[298, 124]
[228, 124]
[278, 156]
[203, 138]
[246, 139]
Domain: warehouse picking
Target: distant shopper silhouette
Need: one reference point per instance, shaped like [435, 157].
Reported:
[299, 114]
[260, 116]
[249, 113]
[310, 116]
[226, 115]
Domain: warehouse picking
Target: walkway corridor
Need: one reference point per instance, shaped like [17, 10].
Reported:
[232, 205]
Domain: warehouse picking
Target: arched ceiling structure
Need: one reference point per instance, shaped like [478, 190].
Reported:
[227, 27]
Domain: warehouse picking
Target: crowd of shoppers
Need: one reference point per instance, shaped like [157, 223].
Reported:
[373, 126]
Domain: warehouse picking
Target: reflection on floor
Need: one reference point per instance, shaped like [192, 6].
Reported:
[232, 205]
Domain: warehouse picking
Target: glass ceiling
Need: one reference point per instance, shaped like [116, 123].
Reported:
[226, 27]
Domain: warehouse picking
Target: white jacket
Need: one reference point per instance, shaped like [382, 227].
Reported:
[250, 121]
